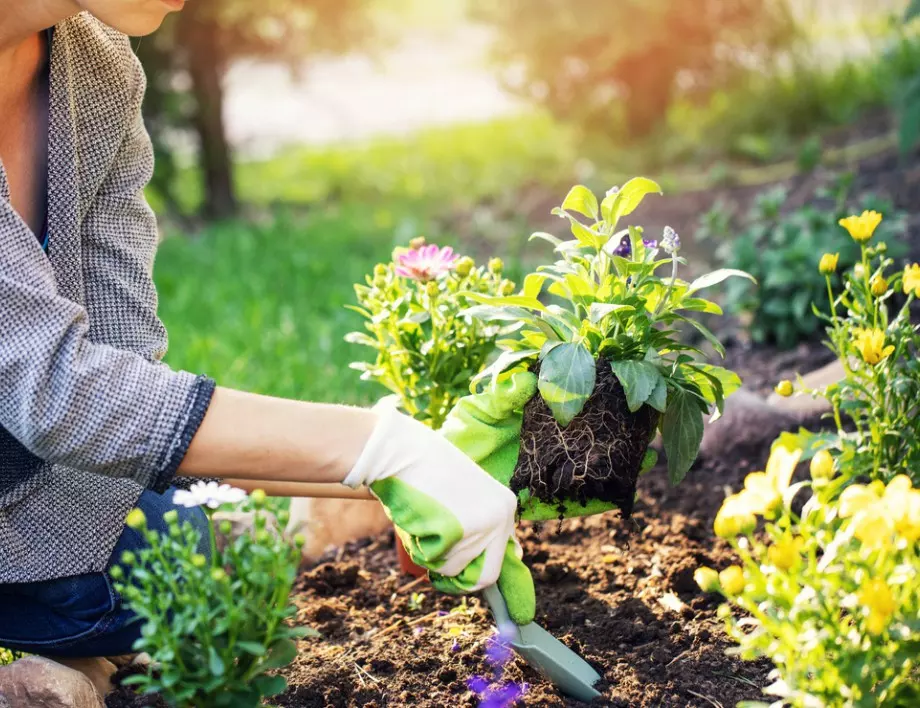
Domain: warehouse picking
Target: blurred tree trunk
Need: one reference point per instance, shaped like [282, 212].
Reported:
[199, 36]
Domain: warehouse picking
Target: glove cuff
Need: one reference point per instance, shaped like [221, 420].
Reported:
[378, 457]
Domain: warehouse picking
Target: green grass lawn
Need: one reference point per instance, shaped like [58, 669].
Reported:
[262, 307]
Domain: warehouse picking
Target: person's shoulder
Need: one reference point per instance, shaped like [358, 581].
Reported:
[102, 53]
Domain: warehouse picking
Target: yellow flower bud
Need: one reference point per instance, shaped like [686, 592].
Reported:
[878, 286]
[707, 579]
[784, 388]
[863, 226]
[732, 580]
[300, 540]
[734, 519]
[828, 263]
[496, 265]
[136, 520]
[822, 465]
[380, 270]
[876, 596]
[116, 573]
[218, 575]
[128, 558]
[786, 553]
[464, 266]
[258, 498]
[171, 517]
[432, 289]
[506, 288]
[199, 561]
[417, 243]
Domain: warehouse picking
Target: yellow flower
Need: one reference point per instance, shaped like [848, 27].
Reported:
[786, 553]
[732, 580]
[763, 491]
[912, 279]
[877, 598]
[874, 527]
[878, 286]
[871, 345]
[822, 465]
[707, 579]
[734, 518]
[136, 520]
[828, 263]
[856, 498]
[863, 226]
[784, 388]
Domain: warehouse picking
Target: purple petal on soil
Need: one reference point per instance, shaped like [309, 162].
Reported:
[418, 630]
[442, 613]
[503, 696]
[497, 652]
[455, 647]
[478, 685]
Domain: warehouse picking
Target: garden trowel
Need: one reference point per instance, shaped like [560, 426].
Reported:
[567, 670]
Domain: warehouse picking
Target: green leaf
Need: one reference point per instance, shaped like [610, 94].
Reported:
[585, 236]
[490, 313]
[533, 284]
[542, 235]
[659, 398]
[599, 310]
[702, 329]
[281, 653]
[716, 277]
[253, 648]
[270, 685]
[682, 433]
[582, 200]
[505, 361]
[567, 377]
[913, 11]
[531, 303]
[695, 304]
[638, 378]
[215, 663]
[628, 198]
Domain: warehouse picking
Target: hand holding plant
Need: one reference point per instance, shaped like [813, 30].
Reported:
[216, 627]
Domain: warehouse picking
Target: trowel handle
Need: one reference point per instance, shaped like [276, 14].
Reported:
[499, 608]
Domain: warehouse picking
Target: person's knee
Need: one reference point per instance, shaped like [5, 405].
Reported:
[155, 506]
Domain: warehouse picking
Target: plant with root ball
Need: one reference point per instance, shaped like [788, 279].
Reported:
[611, 364]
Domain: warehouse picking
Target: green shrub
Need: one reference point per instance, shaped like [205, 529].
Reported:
[782, 250]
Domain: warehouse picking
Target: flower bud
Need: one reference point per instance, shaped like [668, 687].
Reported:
[878, 286]
[828, 263]
[707, 579]
[432, 289]
[128, 558]
[496, 266]
[283, 516]
[218, 575]
[732, 580]
[785, 554]
[225, 527]
[116, 573]
[784, 388]
[199, 561]
[417, 243]
[380, 270]
[136, 520]
[263, 537]
[300, 540]
[733, 521]
[822, 466]
[464, 266]
[380, 281]
[506, 288]
[171, 517]
[859, 271]
[258, 498]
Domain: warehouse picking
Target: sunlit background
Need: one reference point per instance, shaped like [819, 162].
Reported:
[299, 141]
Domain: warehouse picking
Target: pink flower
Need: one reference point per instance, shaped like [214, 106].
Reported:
[425, 263]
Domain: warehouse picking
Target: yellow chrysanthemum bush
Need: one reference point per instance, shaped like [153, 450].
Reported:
[877, 405]
[826, 585]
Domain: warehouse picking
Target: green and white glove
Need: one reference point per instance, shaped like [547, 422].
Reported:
[487, 427]
[453, 518]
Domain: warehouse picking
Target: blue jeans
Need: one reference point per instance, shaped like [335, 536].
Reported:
[82, 615]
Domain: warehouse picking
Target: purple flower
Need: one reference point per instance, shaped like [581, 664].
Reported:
[670, 241]
[478, 685]
[650, 243]
[503, 696]
[455, 647]
[624, 248]
[498, 653]
[425, 263]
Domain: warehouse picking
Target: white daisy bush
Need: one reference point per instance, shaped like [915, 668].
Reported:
[215, 622]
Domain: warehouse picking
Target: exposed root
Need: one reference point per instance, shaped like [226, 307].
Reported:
[598, 456]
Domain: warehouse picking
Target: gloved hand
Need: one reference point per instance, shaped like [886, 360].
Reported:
[452, 517]
[487, 427]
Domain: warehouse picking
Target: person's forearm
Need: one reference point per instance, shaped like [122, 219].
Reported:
[252, 437]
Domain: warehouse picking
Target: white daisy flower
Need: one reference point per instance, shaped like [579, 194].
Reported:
[209, 494]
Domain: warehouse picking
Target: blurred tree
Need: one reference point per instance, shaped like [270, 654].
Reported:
[188, 57]
[594, 63]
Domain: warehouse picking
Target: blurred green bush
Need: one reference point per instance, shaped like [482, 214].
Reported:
[781, 248]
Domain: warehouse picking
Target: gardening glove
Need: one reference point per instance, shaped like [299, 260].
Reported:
[487, 427]
[453, 518]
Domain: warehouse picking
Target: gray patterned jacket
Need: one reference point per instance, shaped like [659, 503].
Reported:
[89, 417]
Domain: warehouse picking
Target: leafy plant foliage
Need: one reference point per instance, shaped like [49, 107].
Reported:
[612, 303]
